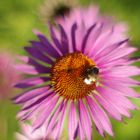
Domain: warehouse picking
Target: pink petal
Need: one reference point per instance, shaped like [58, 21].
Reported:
[60, 124]
[100, 118]
[26, 129]
[106, 50]
[53, 119]
[85, 119]
[45, 113]
[116, 54]
[20, 137]
[107, 66]
[125, 91]
[29, 82]
[72, 122]
[93, 38]
[25, 96]
[109, 108]
[81, 132]
[23, 58]
[121, 107]
[35, 109]
[121, 81]
[27, 69]
[123, 71]
[114, 95]
[133, 59]
[101, 41]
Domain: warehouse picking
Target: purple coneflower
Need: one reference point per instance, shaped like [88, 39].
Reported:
[28, 134]
[84, 72]
[8, 75]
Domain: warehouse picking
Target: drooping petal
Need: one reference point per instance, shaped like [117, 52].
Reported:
[25, 96]
[109, 108]
[38, 100]
[60, 124]
[27, 69]
[122, 81]
[99, 116]
[117, 103]
[45, 113]
[125, 91]
[123, 71]
[34, 106]
[133, 59]
[81, 132]
[53, 119]
[114, 95]
[103, 51]
[73, 121]
[29, 82]
[116, 54]
[107, 66]
[85, 119]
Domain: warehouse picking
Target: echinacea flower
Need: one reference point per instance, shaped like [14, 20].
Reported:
[28, 134]
[85, 72]
[8, 75]
[52, 10]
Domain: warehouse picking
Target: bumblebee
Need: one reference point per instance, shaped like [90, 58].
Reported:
[91, 75]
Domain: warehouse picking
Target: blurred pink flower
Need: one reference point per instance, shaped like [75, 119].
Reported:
[8, 75]
[29, 134]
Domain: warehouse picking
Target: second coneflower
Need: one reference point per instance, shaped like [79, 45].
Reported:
[8, 75]
[52, 10]
[85, 69]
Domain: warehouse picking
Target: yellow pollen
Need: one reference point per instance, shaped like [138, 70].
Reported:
[68, 74]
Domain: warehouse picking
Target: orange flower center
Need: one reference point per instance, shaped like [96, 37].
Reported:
[69, 76]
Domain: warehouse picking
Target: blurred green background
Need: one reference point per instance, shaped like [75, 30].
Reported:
[19, 17]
